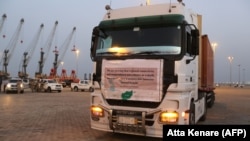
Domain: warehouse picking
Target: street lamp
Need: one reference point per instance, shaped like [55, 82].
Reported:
[62, 72]
[230, 58]
[77, 54]
[214, 45]
[62, 64]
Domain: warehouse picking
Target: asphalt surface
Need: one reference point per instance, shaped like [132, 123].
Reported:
[232, 106]
[65, 116]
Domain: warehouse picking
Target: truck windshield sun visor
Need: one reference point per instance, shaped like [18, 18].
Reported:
[143, 21]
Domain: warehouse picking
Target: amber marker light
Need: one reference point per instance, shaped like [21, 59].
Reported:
[169, 117]
[97, 111]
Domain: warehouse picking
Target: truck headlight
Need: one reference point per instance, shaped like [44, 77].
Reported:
[169, 117]
[97, 111]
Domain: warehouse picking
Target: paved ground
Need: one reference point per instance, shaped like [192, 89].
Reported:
[44, 117]
[65, 116]
[232, 106]
[49, 117]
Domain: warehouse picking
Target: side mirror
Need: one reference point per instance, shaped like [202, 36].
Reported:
[94, 37]
[195, 41]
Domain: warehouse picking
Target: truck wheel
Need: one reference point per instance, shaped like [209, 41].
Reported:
[192, 114]
[49, 90]
[91, 89]
[75, 89]
[212, 99]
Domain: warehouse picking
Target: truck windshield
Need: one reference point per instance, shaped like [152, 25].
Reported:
[140, 41]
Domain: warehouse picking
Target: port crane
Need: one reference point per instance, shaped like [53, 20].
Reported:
[62, 50]
[29, 52]
[8, 52]
[46, 51]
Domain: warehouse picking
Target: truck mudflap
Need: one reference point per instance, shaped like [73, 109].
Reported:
[131, 122]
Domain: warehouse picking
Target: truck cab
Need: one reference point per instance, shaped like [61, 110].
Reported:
[147, 65]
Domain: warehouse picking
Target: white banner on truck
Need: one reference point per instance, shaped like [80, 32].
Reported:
[134, 79]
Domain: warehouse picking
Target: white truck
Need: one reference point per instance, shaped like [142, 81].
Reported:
[152, 67]
[14, 84]
[83, 85]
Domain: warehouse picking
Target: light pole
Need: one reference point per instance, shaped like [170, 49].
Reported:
[243, 81]
[230, 58]
[214, 45]
[77, 54]
[239, 75]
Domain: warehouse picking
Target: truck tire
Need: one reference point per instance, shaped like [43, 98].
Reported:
[91, 89]
[75, 89]
[211, 98]
[192, 114]
[49, 89]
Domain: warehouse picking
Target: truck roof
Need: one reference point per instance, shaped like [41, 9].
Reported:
[151, 10]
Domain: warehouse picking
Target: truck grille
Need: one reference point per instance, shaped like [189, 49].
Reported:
[130, 121]
[141, 104]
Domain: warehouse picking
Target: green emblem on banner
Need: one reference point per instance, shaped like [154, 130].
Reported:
[127, 95]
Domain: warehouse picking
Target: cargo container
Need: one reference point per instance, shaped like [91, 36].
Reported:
[207, 69]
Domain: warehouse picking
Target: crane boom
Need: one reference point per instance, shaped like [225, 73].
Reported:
[29, 52]
[65, 45]
[11, 47]
[47, 49]
[62, 49]
[2, 21]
